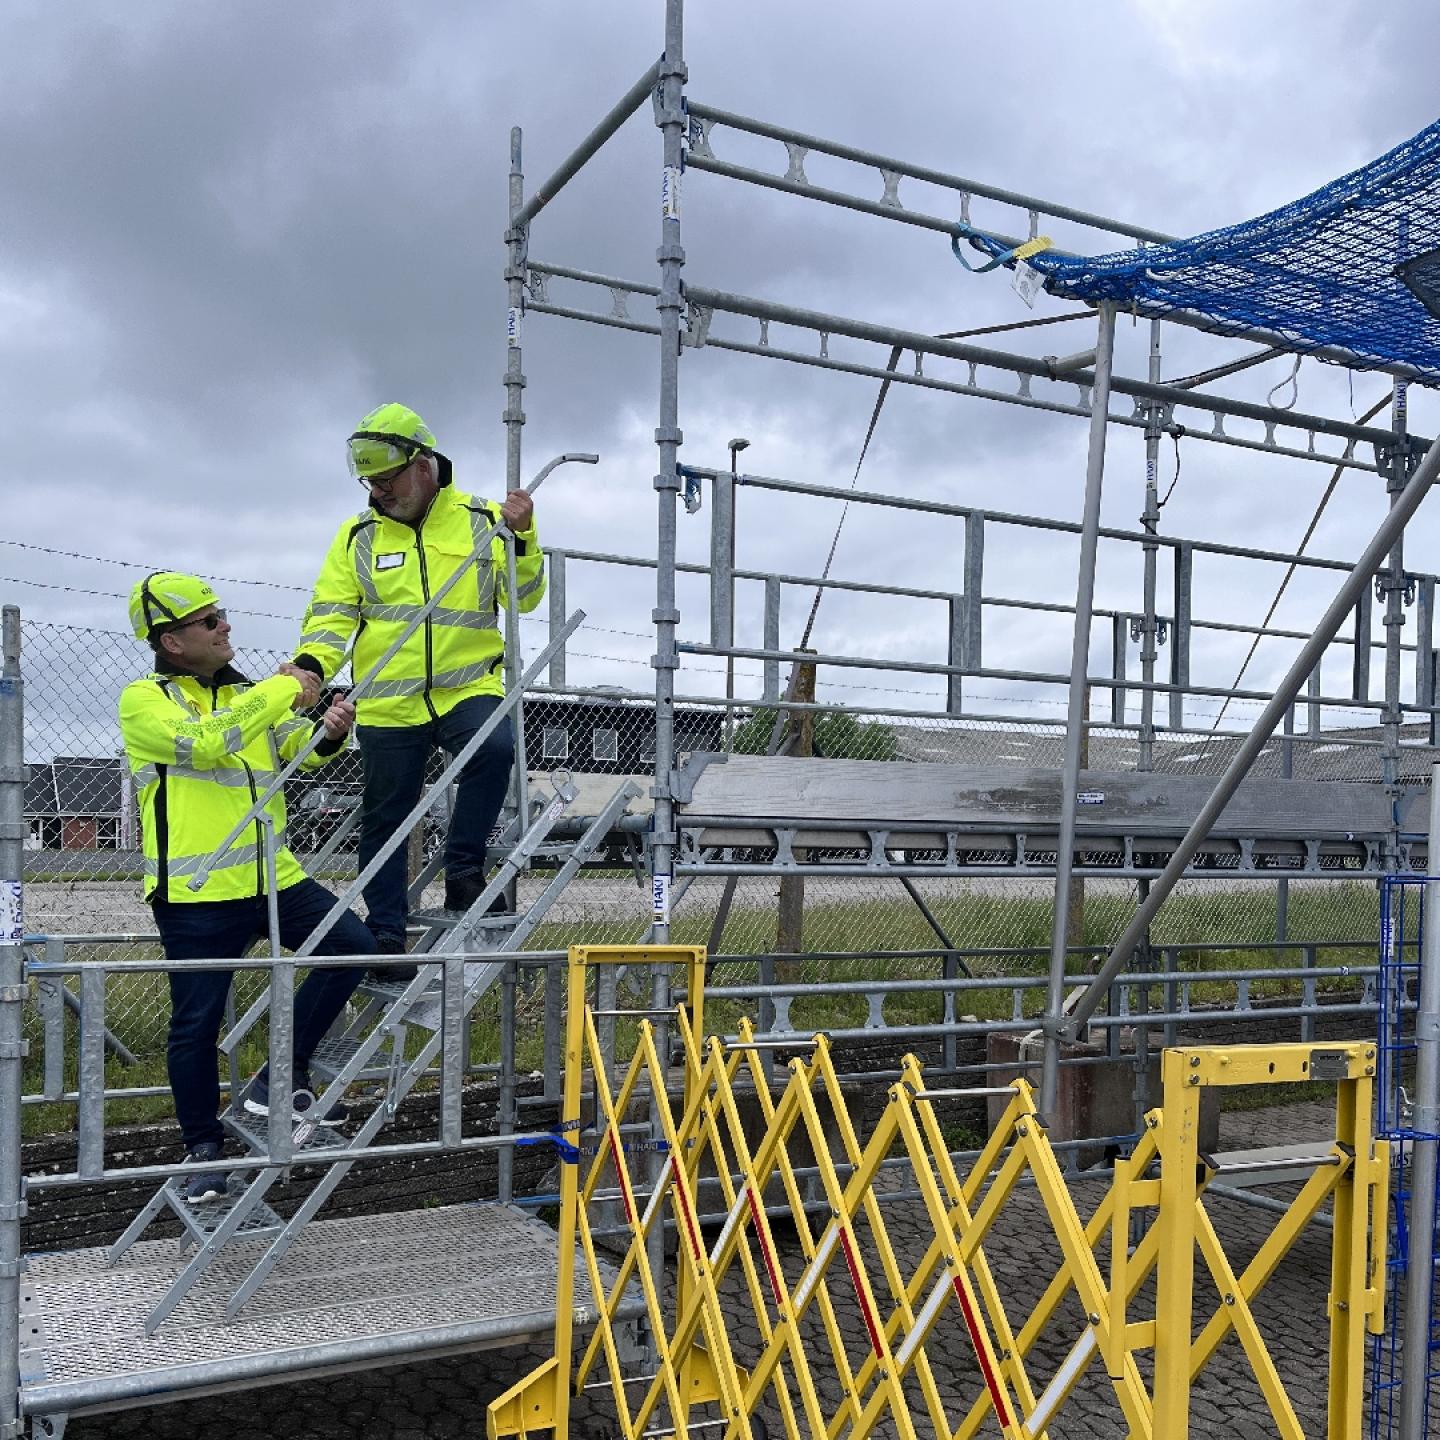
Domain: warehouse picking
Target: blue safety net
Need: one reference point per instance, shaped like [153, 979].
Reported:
[1355, 266]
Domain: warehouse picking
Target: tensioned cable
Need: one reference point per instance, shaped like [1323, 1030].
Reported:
[140, 565]
[894, 360]
[1292, 567]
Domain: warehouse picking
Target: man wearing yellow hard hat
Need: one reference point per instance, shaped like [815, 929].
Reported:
[448, 678]
[203, 742]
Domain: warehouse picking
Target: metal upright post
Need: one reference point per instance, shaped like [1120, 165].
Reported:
[1079, 694]
[670, 117]
[1287, 772]
[12, 1016]
[1301, 668]
[516, 242]
[1424, 1122]
[1397, 472]
[1150, 522]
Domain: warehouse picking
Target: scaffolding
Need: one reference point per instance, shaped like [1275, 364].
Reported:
[1056, 829]
[690, 318]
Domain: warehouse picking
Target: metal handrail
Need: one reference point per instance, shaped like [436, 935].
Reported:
[401, 832]
[357, 691]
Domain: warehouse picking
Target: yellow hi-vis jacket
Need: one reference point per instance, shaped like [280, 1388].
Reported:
[201, 751]
[377, 577]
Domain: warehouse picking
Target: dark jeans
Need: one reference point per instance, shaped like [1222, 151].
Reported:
[394, 763]
[225, 930]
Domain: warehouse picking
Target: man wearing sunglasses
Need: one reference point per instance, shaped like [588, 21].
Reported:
[448, 677]
[202, 742]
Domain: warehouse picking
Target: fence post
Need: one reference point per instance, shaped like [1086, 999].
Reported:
[1424, 1122]
[790, 912]
[1360, 673]
[12, 1016]
[954, 689]
[555, 590]
[771, 689]
[1119, 642]
[1180, 639]
[1424, 640]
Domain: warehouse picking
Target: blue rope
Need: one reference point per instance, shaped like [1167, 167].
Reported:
[981, 241]
[1328, 270]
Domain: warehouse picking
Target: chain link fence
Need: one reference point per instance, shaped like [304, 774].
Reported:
[83, 862]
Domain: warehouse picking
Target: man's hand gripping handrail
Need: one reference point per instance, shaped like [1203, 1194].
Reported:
[358, 690]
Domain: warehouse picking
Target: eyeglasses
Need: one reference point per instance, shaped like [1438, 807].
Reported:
[213, 621]
[384, 482]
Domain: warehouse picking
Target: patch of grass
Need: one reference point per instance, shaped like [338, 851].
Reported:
[1240, 921]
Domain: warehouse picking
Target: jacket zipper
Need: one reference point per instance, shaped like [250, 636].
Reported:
[429, 642]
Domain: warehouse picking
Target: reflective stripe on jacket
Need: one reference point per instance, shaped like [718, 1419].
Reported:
[376, 578]
[201, 752]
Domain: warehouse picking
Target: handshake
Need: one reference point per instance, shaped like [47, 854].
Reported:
[339, 715]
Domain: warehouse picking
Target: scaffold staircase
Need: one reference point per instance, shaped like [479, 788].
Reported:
[373, 1045]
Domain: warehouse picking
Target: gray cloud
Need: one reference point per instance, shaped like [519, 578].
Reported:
[230, 231]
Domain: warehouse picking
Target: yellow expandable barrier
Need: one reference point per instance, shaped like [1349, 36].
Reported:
[829, 1335]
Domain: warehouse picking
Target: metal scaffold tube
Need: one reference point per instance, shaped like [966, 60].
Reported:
[1406, 503]
[670, 117]
[568, 168]
[1424, 1121]
[12, 997]
[1077, 716]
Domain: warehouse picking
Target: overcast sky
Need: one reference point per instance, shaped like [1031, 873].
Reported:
[230, 230]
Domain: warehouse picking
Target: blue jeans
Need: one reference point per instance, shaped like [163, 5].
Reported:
[393, 758]
[225, 930]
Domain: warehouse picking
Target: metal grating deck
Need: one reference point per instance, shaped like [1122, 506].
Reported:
[367, 1289]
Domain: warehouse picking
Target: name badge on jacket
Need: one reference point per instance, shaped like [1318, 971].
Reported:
[392, 561]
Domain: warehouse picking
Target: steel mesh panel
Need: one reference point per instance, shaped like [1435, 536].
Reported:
[344, 1280]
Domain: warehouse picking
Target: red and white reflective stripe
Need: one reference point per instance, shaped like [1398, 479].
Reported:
[992, 1382]
[731, 1221]
[620, 1176]
[865, 1309]
[696, 1247]
[923, 1320]
[811, 1277]
[1064, 1378]
[775, 1287]
[657, 1193]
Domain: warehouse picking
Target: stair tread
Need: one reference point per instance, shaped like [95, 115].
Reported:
[334, 1052]
[207, 1217]
[255, 1131]
[448, 919]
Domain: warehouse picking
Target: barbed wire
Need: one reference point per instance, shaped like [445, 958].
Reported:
[139, 565]
[116, 595]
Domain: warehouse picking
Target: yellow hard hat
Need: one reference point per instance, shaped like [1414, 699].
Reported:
[165, 597]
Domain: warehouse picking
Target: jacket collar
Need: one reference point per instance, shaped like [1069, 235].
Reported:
[226, 675]
[443, 480]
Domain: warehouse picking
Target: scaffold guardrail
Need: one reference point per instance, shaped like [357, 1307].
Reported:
[747, 1332]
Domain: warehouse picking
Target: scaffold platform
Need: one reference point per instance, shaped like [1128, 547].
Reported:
[352, 1293]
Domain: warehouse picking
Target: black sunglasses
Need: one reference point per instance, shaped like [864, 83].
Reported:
[213, 621]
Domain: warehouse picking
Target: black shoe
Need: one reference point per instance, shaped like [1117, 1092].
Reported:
[339, 1111]
[392, 974]
[302, 1098]
[212, 1185]
[462, 891]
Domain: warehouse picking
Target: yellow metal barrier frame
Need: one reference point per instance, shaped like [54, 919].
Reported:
[695, 1364]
